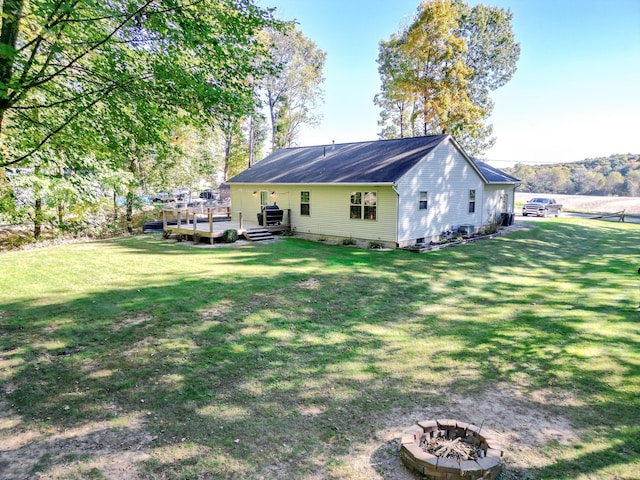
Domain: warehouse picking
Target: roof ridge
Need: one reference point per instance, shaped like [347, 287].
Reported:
[365, 141]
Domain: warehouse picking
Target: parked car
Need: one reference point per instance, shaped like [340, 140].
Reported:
[542, 207]
[209, 194]
[161, 197]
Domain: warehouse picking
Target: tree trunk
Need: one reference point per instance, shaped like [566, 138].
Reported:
[227, 153]
[37, 216]
[272, 116]
[129, 213]
[11, 13]
[251, 140]
[130, 193]
[37, 219]
[61, 204]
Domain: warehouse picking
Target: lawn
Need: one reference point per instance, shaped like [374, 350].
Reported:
[137, 358]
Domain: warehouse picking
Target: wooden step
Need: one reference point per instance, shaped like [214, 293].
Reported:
[258, 235]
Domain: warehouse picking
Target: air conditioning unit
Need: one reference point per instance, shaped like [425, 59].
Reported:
[466, 230]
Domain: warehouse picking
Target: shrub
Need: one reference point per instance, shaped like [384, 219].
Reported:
[374, 244]
[349, 241]
[491, 228]
[230, 235]
[15, 240]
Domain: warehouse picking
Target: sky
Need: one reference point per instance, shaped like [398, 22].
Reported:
[575, 94]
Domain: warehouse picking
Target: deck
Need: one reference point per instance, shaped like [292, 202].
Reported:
[211, 223]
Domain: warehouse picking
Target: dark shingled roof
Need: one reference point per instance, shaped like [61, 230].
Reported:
[494, 175]
[379, 161]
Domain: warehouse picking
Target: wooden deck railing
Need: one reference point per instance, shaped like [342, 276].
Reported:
[187, 217]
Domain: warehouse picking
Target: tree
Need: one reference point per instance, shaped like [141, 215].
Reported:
[492, 54]
[614, 184]
[632, 183]
[397, 107]
[438, 77]
[448, 60]
[61, 58]
[293, 90]
[83, 80]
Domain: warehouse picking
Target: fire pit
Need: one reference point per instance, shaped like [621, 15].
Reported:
[449, 449]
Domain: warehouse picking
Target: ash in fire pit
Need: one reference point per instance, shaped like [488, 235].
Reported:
[451, 449]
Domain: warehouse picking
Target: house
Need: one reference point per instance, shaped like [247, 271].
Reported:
[396, 192]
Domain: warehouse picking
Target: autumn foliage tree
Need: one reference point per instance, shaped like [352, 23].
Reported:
[437, 73]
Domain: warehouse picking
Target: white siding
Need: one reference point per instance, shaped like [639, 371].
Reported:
[448, 177]
[494, 204]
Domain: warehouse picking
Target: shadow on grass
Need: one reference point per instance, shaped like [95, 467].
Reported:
[279, 374]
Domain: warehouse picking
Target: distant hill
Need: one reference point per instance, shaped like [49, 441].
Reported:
[617, 175]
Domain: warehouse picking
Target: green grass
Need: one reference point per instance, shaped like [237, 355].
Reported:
[273, 361]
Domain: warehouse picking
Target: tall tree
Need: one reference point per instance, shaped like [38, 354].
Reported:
[492, 54]
[395, 102]
[438, 77]
[291, 93]
[61, 58]
[83, 80]
[447, 62]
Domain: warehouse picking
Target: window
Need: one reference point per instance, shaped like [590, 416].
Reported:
[356, 205]
[305, 204]
[505, 202]
[472, 201]
[363, 205]
[370, 205]
[424, 200]
[264, 199]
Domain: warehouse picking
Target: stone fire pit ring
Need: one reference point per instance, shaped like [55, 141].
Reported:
[487, 465]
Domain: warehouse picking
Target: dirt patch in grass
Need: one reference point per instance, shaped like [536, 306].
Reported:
[132, 321]
[115, 449]
[110, 450]
[520, 424]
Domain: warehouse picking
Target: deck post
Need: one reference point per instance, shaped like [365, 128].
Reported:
[240, 221]
[210, 218]
[178, 218]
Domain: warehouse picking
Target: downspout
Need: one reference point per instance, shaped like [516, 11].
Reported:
[397, 213]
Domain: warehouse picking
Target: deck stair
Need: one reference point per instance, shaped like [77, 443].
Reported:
[258, 234]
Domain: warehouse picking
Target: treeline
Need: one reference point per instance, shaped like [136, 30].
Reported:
[117, 99]
[617, 175]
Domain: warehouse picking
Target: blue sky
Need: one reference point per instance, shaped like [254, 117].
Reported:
[576, 93]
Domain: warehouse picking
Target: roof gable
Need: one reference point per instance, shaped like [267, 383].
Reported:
[379, 161]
